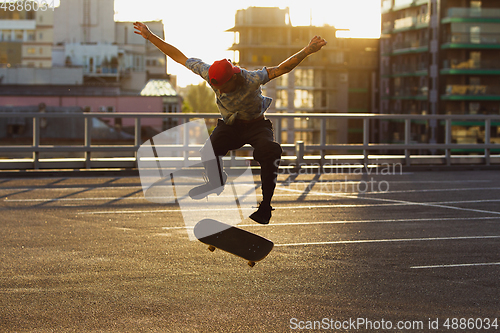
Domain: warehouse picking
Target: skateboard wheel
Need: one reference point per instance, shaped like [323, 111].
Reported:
[251, 263]
[211, 248]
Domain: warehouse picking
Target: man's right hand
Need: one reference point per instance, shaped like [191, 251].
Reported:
[142, 29]
[169, 50]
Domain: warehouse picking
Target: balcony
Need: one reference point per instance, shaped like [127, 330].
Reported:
[463, 92]
[470, 67]
[487, 15]
[414, 93]
[472, 40]
[409, 70]
[411, 22]
[386, 6]
[410, 47]
[387, 27]
[400, 4]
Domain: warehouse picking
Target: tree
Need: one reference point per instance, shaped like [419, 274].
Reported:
[200, 98]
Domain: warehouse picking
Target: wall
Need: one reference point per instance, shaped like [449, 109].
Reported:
[70, 20]
[118, 104]
[41, 75]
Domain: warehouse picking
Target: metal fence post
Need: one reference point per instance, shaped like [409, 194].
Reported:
[299, 153]
[366, 140]
[137, 139]
[36, 142]
[407, 141]
[447, 142]
[87, 139]
[185, 144]
[487, 140]
[322, 143]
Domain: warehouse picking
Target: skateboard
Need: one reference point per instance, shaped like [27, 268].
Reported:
[234, 240]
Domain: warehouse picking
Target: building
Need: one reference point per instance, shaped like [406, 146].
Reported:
[438, 57]
[110, 53]
[78, 58]
[78, 34]
[362, 59]
[26, 38]
[264, 36]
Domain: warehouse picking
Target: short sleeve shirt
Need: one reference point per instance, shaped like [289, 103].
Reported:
[246, 102]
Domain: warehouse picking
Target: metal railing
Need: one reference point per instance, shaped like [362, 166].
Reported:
[474, 12]
[473, 38]
[303, 155]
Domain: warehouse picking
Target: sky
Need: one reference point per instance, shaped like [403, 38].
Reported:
[197, 27]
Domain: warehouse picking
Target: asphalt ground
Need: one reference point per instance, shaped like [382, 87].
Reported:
[396, 252]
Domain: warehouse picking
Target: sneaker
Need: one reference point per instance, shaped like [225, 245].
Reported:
[202, 191]
[263, 214]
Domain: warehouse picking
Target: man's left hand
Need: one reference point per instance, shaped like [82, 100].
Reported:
[315, 44]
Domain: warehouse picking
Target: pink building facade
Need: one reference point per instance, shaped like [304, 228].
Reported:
[136, 104]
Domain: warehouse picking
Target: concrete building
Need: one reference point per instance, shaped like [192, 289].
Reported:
[438, 57]
[93, 64]
[26, 38]
[264, 36]
[86, 35]
[362, 59]
[79, 34]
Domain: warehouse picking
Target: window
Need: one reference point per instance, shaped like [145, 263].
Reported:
[475, 35]
[304, 77]
[475, 8]
[281, 98]
[474, 107]
[474, 81]
[303, 99]
[302, 123]
[303, 136]
[475, 59]
[282, 81]
[18, 35]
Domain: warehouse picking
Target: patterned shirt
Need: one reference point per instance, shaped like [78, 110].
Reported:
[246, 102]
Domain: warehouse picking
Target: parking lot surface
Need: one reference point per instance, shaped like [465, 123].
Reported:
[398, 252]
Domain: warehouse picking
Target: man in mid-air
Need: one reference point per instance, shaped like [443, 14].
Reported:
[242, 106]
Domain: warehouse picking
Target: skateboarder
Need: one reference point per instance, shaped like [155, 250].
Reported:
[242, 106]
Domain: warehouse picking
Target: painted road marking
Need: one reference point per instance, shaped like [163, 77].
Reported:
[351, 222]
[387, 240]
[404, 202]
[457, 265]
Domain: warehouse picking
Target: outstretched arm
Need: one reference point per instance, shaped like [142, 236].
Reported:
[286, 66]
[169, 50]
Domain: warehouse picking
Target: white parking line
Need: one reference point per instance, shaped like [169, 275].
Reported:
[457, 265]
[388, 240]
[305, 187]
[428, 205]
[392, 204]
[73, 199]
[352, 222]
[404, 202]
[30, 189]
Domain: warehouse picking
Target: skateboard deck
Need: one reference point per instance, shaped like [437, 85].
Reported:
[234, 240]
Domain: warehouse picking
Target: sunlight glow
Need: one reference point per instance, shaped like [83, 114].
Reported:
[198, 29]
